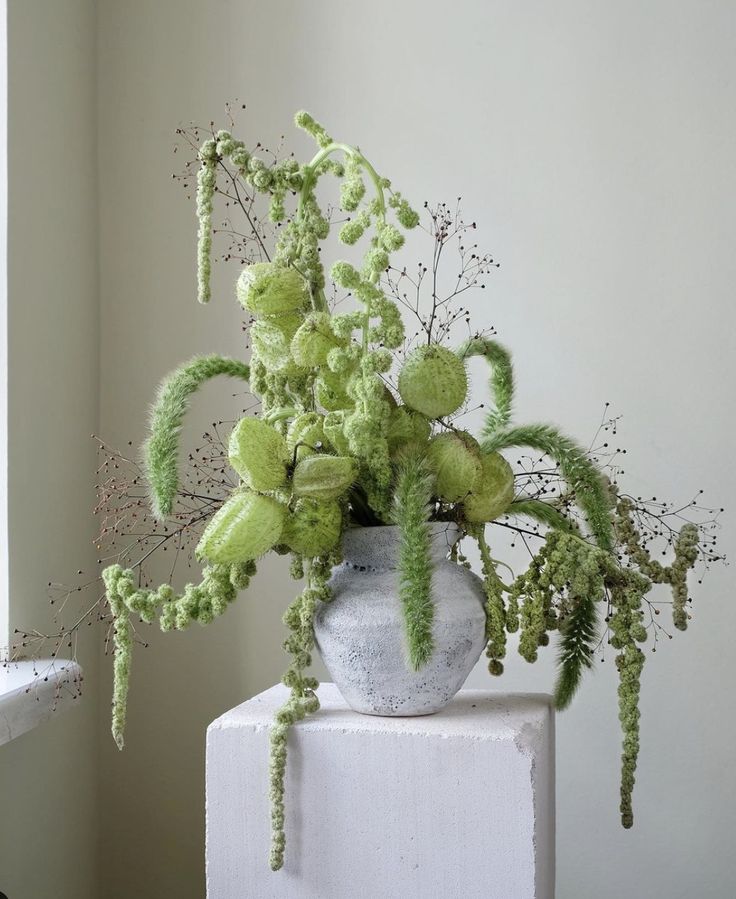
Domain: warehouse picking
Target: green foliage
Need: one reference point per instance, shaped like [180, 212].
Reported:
[161, 450]
[411, 513]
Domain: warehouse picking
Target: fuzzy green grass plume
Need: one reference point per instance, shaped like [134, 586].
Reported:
[161, 450]
[411, 513]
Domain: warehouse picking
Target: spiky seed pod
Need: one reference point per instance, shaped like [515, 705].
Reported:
[455, 459]
[244, 528]
[323, 477]
[433, 381]
[267, 289]
[330, 392]
[334, 428]
[314, 527]
[271, 344]
[313, 340]
[306, 435]
[493, 492]
[406, 426]
[259, 454]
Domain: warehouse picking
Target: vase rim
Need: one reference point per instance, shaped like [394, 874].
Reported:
[377, 547]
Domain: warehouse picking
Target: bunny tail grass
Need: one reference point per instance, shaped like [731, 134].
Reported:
[411, 514]
[161, 450]
[579, 472]
[502, 379]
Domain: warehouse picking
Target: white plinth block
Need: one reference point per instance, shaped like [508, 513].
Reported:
[457, 805]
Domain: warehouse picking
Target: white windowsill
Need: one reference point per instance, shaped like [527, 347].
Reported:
[31, 692]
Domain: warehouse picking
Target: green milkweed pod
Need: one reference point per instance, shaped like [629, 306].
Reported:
[306, 435]
[271, 344]
[244, 528]
[494, 491]
[267, 289]
[406, 426]
[323, 477]
[313, 528]
[433, 381]
[330, 391]
[334, 428]
[313, 340]
[259, 454]
[455, 459]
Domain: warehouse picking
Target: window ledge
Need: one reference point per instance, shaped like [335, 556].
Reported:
[31, 691]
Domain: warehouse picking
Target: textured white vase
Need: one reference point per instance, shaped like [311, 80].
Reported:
[360, 633]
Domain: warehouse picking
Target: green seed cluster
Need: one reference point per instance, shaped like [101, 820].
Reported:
[686, 554]
[202, 602]
[299, 618]
[496, 615]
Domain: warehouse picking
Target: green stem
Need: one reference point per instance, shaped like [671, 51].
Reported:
[280, 414]
[310, 176]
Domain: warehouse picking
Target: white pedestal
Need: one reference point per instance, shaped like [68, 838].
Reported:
[458, 805]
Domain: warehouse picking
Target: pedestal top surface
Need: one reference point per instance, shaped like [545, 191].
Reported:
[479, 714]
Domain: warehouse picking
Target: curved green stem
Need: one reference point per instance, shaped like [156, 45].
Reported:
[283, 412]
[324, 153]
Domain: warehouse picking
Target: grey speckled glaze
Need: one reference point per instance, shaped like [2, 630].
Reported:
[360, 633]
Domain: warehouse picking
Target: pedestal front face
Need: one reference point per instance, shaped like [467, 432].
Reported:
[458, 805]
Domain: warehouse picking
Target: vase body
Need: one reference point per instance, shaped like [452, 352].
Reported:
[361, 635]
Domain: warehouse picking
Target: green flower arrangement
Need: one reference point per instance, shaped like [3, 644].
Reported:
[334, 445]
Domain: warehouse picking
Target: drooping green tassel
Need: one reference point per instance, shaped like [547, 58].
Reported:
[302, 701]
[201, 602]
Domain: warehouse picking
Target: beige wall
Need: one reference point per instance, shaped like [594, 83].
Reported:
[594, 145]
[48, 777]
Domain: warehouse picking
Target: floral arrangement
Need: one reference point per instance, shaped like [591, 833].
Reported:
[358, 425]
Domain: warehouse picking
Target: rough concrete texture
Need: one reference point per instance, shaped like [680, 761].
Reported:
[361, 636]
[458, 805]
